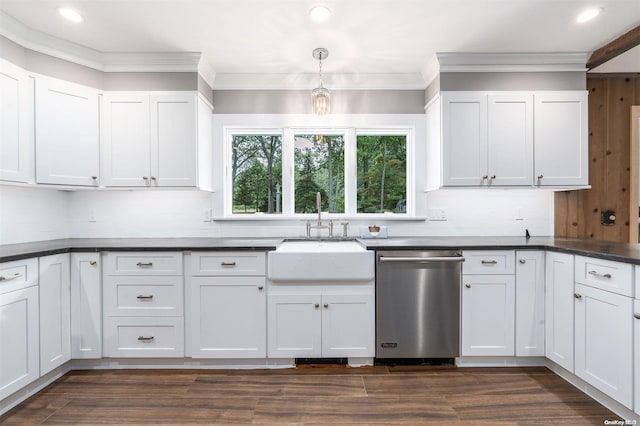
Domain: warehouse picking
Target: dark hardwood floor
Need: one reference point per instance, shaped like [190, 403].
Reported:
[312, 395]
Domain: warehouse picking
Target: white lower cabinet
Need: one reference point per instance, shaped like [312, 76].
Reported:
[19, 338]
[230, 317]
[530, 303]
[636, 352]
[559, 309]
[604, 341]
[143, 305]
[488, 322]
[228, 304]
[86, 306]
[55, 311]
[314, 325]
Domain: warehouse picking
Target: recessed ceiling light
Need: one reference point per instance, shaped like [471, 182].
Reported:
[70, 14]
[320, 14]
[588, 14]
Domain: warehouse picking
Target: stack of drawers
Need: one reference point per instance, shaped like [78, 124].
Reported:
[144, 304]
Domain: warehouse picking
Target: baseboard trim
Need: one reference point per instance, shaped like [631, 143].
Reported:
[34, 387]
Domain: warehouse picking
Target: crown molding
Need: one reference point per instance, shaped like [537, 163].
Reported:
[512, 62]
[107, 62]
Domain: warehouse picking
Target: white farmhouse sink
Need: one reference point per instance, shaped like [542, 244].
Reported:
[321, 261]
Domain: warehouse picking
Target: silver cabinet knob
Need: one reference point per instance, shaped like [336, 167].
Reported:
[522, 261]
[317, 305]
[326, 305]
[93, 263]
[145, 178]
[577, 296]
[260, 287]
[540, 177]
[467, 285]
[94, 177]
[493, 177]
[636, 316]
[485, 177]
[153, 178]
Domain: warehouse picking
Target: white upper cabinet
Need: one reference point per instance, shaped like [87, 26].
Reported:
[150, 139]
[16, 124]
[66, 133]
[561, 146]
[511, 138]
[464, 135]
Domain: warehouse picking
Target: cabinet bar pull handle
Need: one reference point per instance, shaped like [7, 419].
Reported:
[467, 285]
[143, 265]
[12, 277]
[142, 297]
[326, 305]
[577, 296]
[636, 316]
[145, 339]
[598, 274]
[540, 177]
[317, 305]
[489, 262]
[522, 261]
[93, 263]
[228, 263]
[260, 287]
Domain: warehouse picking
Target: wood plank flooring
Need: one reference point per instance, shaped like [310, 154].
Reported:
[312, 395]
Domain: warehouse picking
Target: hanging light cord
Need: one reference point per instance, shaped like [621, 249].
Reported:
[320, 59]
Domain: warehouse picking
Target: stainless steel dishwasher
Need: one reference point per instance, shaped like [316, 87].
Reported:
[418, 304]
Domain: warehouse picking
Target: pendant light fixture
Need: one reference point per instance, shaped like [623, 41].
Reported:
[320, 96]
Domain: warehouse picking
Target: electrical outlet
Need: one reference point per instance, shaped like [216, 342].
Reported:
[437, 214]
[206, 215]
[519, 215]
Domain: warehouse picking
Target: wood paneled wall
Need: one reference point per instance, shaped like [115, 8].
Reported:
[577, 213]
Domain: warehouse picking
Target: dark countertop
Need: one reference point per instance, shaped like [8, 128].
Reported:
[629, 253]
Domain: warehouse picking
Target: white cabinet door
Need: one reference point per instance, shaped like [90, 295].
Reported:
[603, 342]
[294, 326]
[19, 355]
[560, 145]
[67, 133]
[348, 325]
[16, 124]
[530, 303]
[125, 140]
[173, 139]
[510, 139]
[228, 317]
[559, 309]
[55, 312]
[488, 323]
[464, 133]
[86, 306]
[636, 355]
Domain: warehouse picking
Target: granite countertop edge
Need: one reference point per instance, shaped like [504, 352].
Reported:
[623, 252]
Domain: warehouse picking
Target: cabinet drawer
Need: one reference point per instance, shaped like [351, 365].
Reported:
[138, 263]
[143, 296]
[494, 262]
[18, 274]
[605, 274]
[144, 337]
[228, 263]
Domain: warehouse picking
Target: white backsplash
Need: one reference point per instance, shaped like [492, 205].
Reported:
[31, 214]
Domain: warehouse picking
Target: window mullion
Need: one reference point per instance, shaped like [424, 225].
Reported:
[350, 181]
[288, 204]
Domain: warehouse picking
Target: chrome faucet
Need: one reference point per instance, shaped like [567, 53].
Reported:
[319, 224]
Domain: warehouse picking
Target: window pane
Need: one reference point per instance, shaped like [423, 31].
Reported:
[256, 173]
[382, 173]
[319, 167]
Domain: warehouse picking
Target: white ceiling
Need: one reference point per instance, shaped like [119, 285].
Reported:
[237, 37]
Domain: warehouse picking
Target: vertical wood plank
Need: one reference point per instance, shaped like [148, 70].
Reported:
[591, 227]
[561, 214]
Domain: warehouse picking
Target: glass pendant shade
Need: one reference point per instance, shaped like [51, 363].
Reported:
[320, 101]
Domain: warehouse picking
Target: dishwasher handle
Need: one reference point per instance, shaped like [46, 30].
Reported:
[422, 259]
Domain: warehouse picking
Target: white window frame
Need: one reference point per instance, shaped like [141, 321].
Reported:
[350, 163]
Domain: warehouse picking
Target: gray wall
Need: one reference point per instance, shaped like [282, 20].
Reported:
[574, 80]
[299, 101]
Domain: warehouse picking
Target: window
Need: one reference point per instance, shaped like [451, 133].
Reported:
[319, 167]
[256, 173]
[382, 173]
[356, 171]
